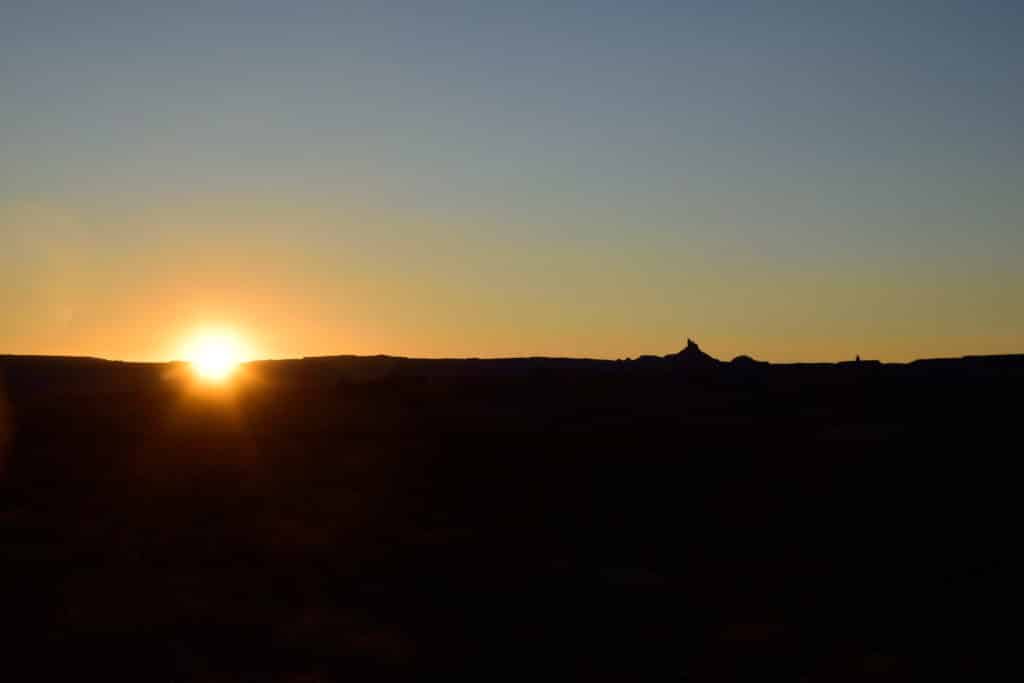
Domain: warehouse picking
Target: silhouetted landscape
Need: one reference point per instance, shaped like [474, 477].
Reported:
[331, 517]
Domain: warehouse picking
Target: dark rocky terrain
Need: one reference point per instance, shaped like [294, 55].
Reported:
[325, 518]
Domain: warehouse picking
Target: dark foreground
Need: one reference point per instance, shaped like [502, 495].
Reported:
[334, 518]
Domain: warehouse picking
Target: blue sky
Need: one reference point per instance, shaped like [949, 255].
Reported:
[732, 171]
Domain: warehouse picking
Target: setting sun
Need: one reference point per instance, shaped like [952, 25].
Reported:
[214, 355]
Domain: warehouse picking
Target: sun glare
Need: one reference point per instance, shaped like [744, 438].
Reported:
[214, 355]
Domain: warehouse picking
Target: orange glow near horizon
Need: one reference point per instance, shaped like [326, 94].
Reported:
[215, 355]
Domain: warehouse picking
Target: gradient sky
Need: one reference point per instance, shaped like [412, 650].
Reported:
[783, 179]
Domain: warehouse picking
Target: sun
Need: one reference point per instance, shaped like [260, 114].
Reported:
[214, 355]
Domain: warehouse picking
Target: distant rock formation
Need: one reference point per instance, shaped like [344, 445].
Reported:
[693, 357]
[744, 361]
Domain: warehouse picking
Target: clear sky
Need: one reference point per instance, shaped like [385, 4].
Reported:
[792, 180]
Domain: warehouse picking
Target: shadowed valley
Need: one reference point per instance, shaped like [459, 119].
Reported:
[320, 518]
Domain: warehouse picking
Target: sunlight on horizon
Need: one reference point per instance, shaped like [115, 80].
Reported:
[215, 354]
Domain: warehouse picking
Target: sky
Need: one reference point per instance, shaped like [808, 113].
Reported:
[788, 180]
